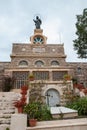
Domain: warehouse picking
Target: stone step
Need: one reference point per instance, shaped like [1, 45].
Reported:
[7, 111]
[5, 120]
[7, 108]
[5, 115]
[4, 126]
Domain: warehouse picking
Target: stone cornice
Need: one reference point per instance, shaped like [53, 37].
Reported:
[39, 69]
[39, 55]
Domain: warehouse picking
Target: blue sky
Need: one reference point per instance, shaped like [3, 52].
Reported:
[58, 23]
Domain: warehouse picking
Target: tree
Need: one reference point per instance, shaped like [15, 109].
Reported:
[7, 83]
[80, 44]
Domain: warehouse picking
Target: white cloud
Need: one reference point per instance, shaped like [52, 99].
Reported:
[51, 29]
[7, 27]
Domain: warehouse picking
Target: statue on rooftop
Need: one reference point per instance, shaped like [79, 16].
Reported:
[37, 22]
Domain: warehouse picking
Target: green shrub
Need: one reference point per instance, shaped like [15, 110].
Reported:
[7, 83]
[80, 105]
[38, 111]
[45, 113]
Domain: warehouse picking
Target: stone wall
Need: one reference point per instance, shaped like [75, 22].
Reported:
[79, 71]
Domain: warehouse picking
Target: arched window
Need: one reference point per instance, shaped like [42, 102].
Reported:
[39, 63]
[79, 70]
[54, 63]
[23, 63]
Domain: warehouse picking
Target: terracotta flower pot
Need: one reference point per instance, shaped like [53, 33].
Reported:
[20, 110]
[31, 78]
[32, 122]
[67, 78]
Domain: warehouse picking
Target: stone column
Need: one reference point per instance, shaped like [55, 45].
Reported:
[50, 75]
[18, 122]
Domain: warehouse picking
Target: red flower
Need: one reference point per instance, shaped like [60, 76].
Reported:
[24, 92]
[79, 86]
[24, 88]
[23, 99]
[19, 103]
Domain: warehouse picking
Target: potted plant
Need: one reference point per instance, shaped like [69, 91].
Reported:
[37, 111]
[31, 77]
[24, 88]
[19, 105]
[22, 102]
[67, 77]
[32, 110]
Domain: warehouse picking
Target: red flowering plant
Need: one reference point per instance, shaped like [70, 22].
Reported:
[24, 88]
[23, 98]
[22, 102]
[23, 92]
[19, 103]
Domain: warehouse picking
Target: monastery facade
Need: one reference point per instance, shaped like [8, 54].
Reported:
[47, 62]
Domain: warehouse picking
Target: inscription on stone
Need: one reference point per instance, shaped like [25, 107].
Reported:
[38, 49]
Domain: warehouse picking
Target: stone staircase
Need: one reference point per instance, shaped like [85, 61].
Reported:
[7, 108]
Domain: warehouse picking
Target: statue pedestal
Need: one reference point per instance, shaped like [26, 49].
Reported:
[38, 31]
[18, 122]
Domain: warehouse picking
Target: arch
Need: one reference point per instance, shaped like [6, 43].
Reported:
[23, 63]
[52, 97]
[79, 70]
[54, 63]
[39, 63]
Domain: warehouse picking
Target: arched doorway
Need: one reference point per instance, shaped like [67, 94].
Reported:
[52, 97]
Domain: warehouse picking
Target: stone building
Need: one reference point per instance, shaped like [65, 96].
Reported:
[48, 64]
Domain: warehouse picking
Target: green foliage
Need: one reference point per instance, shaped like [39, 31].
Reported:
[36, 92]
[31, 109]
[45, 113]
[69, 95]
[67, 77]
[80, 44]
[80, 105]
[74, 80]
[7, 128]
[8, 82]
[38, 111]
